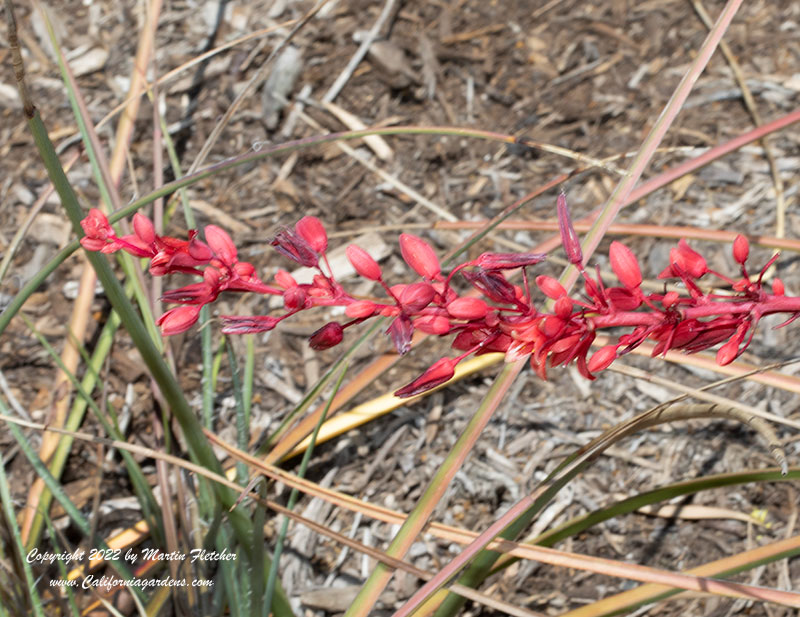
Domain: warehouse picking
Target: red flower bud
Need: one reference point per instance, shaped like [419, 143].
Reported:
[360, 309]
[563, 307]
[363, 263]
[625, 265]
[440, 372]
[728, 352]
[564, 344]
[468, 308]
[221, 243]
[688, 260]
[777, 287]
[310, 229]
[624, 299]
[669, 299]
[433, 324]
[602, 358]
[143, 227]
[550, 287]
[295, 298]
[178, 320]
[96, 225]
[570, 240]
[741, 249]
[419, 255]
[329, 335]
[416, 297]
[284, 279]
[552, 325]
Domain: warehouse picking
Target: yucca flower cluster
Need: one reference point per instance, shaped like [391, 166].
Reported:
[535, 318]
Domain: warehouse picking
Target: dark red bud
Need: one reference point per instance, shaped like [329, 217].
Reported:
[329, 335]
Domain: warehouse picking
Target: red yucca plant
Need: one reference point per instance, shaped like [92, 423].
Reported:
[507, 318]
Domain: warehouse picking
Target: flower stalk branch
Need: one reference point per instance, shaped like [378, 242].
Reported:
[506, 318]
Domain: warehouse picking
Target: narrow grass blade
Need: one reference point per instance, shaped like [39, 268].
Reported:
[418, 517]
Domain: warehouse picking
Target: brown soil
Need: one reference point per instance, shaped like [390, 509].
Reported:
[587, 76]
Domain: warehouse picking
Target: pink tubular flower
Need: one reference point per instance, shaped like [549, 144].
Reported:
[178, 320]
[363, 263]
[419, 255]
[221, 243]
[329, 335]
[313, 232]
[440, 372]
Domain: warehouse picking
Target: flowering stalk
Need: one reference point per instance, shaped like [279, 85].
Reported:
[507, 318]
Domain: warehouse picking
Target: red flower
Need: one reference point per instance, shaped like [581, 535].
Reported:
[741, 249]
[468, 308]
[221, 243]
[625, 265]
[687, 260]
[178, 320]
[329, 335]
[312, 231]
[440, 372]
[363, 263]
[419, 255]
[143, 227]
